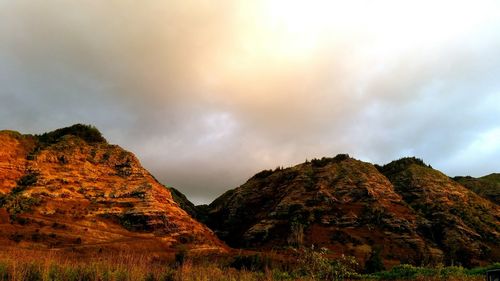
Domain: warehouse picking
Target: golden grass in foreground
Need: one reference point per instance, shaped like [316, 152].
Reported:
[20, 265]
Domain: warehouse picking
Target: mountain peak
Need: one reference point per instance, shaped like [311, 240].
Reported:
[71, 189]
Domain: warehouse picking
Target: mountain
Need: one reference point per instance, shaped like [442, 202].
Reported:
[460, 222]
[70, 189]
[404, 211]
[487, 186]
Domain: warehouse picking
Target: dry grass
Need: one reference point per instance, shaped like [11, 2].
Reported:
[33, 265]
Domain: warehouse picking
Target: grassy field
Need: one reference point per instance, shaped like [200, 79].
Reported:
[20, 265]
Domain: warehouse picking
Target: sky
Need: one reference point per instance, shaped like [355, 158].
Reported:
[207, 93]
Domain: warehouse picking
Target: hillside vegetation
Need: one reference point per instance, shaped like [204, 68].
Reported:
[487, 186]
[402, 212]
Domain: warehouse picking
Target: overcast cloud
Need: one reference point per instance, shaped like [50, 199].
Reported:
[207, 93]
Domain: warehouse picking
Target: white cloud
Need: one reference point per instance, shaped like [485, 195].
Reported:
[207, 93]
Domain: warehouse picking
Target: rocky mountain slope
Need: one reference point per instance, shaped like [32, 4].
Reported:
[406, 211]
[461, 223]
[71, 189]
[487, 186]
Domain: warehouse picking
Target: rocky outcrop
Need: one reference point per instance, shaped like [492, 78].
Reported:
[70, 188]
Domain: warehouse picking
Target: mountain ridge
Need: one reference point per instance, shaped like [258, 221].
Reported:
[71, 189]
[354, 207]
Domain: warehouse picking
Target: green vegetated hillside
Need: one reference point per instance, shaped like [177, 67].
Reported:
[403, 212]
[487, 186]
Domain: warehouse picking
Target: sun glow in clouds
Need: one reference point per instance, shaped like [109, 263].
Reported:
[295, 29]
[275, 40]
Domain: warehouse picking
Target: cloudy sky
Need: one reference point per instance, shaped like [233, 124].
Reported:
[206, 93]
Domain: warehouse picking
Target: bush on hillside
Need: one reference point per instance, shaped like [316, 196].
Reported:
[87, 133]
[29, 179]
[374, 262]
[263, 174]
[318, 163]
[314, 263]
[251, 262]
[400, 165]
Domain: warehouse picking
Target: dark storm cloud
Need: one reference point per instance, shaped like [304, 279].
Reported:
[206, 94]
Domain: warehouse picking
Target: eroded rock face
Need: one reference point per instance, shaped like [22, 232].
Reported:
[75, 190]
[339, 203]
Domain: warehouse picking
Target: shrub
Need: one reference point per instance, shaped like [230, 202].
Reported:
[344, 268]
[54, 273]
[180, 256]
[29, 179]
[452, 271]
[401, 164]
[14, 202]
[403, 271]
[341, 157]
[281, 275]
[149, 277]
[134, 221]
[4, 272]
[71, 274]
[285, 176]
[167, 275]
[374, 262]
[326, 160]
[121, 275]
[106, 156]
[320, 162]
[482, 270]
[315, 264]
[78, 273]
[35, 237]
[253, 262]
[263, 174]
[20, 204]
[88, 133]
[406, 271]
[124, 169]
[32, 272]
